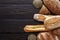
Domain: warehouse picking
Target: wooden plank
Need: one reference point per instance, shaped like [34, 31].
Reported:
[15, 36]
[16, 1]
[14, 15]
[21, 16]
[17, 9]
[15, 25]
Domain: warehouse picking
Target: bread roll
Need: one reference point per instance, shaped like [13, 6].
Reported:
[37, 3]
[44, 10]
[45, 36]
[53, 6]
[34, 28]
[52, 22]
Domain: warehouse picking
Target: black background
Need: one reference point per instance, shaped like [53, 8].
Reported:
[14, 15]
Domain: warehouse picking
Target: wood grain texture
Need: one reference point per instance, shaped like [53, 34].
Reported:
[14, 15]
[15, 25]
[16, 1]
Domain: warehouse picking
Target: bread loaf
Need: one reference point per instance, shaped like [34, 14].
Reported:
[52, 22]
[44, 10]
[57, 32]
[45, 36]
[53, 6]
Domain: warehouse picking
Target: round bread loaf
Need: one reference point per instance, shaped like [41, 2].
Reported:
[53, 6]
[37, 3]
[31, 37]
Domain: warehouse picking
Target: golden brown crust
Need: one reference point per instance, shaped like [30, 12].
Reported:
[44, 10]
[57, 32]
[52, 20]
[52, 23]
[34, 28]
[39, 17]
[45, 36]
[53, 5]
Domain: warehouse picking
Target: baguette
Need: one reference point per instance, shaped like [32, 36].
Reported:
[34, 28]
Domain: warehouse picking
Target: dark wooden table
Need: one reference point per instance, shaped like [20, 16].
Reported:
[14, 15]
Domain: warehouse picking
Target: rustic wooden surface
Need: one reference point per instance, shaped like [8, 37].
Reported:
[14, 15]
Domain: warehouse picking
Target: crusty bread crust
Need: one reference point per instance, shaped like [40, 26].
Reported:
[45, 36]
[41, 17]
[34, 28]
[57, 32]
[44, 10]
[53, 5]
[52, 23]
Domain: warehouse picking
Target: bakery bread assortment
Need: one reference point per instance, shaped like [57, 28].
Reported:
[34, 28]
[50, 30]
